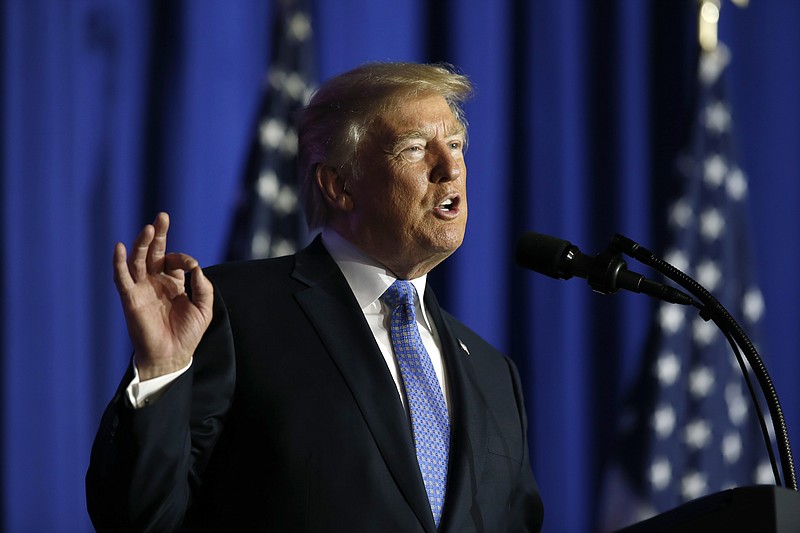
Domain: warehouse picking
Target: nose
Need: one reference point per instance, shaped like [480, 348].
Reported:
[447, 166]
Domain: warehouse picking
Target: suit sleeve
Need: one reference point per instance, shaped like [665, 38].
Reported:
[526, 512]
[147, 463]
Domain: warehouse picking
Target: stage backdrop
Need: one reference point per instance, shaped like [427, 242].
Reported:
[115, 109]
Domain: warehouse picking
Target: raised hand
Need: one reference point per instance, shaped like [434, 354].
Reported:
[164, 325]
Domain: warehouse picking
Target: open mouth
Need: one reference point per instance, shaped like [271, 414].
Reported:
[449, 205]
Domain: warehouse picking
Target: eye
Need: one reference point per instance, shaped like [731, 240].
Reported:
[456, 147]
[456, 143]
[414, 152]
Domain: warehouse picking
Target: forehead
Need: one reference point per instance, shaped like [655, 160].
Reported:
[428, 115]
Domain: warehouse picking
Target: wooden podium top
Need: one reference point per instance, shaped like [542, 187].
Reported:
[757, 509]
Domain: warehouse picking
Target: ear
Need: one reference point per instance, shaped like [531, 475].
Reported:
[331, 183]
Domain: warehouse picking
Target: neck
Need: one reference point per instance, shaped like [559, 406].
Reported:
[398, 265]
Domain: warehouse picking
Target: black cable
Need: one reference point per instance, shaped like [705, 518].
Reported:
[757, 404]
[713, 310]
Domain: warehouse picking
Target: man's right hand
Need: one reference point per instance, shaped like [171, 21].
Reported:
[164, 325]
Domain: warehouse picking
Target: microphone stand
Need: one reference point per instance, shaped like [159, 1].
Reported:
[712, 309]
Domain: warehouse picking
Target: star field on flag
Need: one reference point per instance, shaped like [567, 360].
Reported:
[269, 221]
[691, 428]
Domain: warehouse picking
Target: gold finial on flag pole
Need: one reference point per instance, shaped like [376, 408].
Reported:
[708, 22]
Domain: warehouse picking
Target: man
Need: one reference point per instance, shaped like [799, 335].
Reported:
[304, 393]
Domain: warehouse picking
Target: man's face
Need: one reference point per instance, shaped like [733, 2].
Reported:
[409, 198]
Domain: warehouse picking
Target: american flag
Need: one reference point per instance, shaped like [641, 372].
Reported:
[691, 429]
[269, 220]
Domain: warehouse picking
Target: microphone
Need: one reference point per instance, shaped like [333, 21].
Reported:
[606, 272]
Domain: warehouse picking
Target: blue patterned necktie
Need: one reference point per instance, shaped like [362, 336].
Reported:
[429, 420]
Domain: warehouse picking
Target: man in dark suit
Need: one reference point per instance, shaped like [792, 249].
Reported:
[303, 393]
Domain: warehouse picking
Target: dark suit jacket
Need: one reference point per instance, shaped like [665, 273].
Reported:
[289, 420]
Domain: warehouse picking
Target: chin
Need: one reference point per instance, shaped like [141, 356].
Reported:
[447, 244]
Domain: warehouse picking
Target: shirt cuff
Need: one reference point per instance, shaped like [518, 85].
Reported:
[144, 393]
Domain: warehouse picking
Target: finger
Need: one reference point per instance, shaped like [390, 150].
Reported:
[175, 267]
[122, 276]
[137, 258]
[179, 262]
[158, 247]
[202, 292]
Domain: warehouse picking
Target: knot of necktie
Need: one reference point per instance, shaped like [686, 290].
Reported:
[400, 292]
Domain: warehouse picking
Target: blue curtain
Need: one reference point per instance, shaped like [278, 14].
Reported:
[115, 109]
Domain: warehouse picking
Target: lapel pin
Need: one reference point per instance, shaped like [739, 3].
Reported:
[463, 346]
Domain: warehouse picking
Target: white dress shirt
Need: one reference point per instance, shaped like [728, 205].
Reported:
[368, 280]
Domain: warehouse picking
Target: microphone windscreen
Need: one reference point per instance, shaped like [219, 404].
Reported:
[542, 253]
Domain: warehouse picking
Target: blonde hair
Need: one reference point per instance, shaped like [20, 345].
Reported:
[333, 124]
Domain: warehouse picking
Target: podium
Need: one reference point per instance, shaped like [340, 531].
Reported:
[762, 509]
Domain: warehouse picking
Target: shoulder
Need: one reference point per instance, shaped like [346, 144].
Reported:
[482, 354]
[287, 272]
[243, 272]
[256, 285]
[469, 337]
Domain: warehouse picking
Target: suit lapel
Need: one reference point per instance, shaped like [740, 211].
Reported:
[333, 310]
[468, 422]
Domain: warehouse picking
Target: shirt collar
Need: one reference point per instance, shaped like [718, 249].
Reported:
[368, 279]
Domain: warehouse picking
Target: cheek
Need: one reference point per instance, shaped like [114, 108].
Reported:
[410, 193]
[398, 201]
